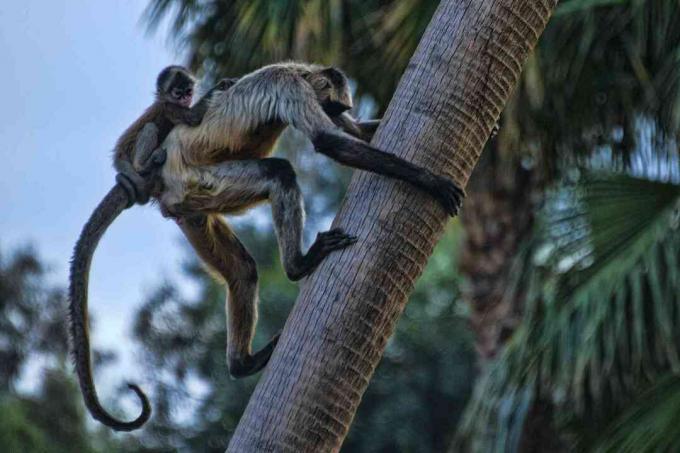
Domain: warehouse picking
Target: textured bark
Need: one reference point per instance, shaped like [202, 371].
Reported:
[498, 217]
[442, 113]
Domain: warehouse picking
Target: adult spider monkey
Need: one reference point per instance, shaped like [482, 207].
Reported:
[222, 166]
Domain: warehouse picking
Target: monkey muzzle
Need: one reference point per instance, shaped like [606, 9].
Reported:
[185, 100]
[335, 108]
[182, 97]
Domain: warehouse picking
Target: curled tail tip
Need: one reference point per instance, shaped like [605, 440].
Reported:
[146, 406]
[137, 423]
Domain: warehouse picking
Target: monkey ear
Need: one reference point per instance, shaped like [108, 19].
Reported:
[336, 75]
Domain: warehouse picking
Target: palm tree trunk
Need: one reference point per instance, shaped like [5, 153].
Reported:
[498, 217]
[449, 98]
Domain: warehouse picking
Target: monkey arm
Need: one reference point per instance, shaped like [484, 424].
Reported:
[144, 151]
[188, 116]
[354, 153]
[363, 130]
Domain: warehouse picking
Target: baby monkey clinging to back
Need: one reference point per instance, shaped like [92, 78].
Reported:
[134, 158]
[172, 106]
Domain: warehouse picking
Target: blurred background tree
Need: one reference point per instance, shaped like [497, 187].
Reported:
[50, 417]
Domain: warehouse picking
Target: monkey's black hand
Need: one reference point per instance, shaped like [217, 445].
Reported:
[325, 243]
[449, 194]
[245, 366]
[135, 186]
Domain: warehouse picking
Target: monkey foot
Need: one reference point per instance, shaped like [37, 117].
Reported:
[134, 186]
[449, 195]
[325, 243]
[153, 162]
[251, 364]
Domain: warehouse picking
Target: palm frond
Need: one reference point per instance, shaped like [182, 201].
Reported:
[604, 312]
[649, 425]
[574, 6]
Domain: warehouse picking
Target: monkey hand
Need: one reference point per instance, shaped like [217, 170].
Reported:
[449, 194]
[135, 185]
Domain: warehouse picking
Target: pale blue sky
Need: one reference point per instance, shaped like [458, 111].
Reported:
[74, 74]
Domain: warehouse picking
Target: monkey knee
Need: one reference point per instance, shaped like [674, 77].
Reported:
[281, 171]
[249, 271]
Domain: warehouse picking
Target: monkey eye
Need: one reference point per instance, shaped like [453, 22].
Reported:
[176, 92]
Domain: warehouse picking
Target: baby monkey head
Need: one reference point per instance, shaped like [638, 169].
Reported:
[332, 90]
[175, 84]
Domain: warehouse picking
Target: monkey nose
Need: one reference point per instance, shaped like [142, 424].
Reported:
[334, 108]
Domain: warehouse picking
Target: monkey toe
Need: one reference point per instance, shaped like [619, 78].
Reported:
[325, 243]
[338, 243]
[329, 241]
[251, 364]
[129, 188]
[135, 186]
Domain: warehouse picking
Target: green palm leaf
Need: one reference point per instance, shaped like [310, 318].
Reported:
[650, 425]
[605, 314]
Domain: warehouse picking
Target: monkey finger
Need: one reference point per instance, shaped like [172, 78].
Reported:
[330, 233]
[338, 243]
[128, 187]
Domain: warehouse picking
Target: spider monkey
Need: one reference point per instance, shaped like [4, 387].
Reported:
[136, 158]
[222, 166]
[174, 92]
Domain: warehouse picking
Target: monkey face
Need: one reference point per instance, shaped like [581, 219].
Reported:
[176, 84]
[332, 91]
[182, 92]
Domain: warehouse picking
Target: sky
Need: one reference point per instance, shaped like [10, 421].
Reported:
[75, 74]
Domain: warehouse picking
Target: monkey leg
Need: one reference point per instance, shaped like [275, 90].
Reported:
[236, 185]
[221, 250]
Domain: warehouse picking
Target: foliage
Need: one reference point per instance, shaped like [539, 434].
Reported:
[26, 301]
[650, 424]
[365, 38]
[33, 335]
[605, 314]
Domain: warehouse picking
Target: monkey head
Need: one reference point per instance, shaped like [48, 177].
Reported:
[175, 84]
[226, 83]
[332, 90]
